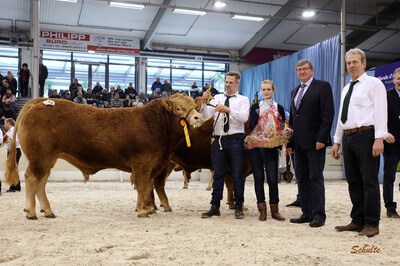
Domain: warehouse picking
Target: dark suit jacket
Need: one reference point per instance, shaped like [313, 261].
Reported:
[393, 101]
[313, 121]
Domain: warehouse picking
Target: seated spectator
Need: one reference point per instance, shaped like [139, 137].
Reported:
[166, 87]
[102, 96]
[205, 87]
[67, 96]
[137, 102]
[111, 94]
[106, 104]
[73, 88]
[89, 97]
[127, 102]
[8, 97]
[157, 86]
[165, 94]
[120, 92]
[12, 82]
[116, 102]
[7, 112]
[4, 87]
[79, 98]
[194, 90]
[54, 94]
[213, 90]
[130, 91]
[153, 97]
[97, 89]
[79, 89]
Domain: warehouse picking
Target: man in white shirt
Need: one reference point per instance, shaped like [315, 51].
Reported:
[9, 124]
[361, 129]
[231, 111]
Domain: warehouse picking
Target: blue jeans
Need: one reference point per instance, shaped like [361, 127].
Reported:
[391, 160]
[232, 155]
[361, 170]
[309, 171]
[268, 158]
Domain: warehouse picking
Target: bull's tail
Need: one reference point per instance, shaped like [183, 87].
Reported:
[12, 175]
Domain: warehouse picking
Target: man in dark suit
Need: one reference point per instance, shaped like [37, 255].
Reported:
[311, 116]
[391, 154]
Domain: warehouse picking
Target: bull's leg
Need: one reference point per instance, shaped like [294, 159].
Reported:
[159, 185]
[31, 186]
[209, 187]
[144, 186]
[186, 177]
[42, 197]
[229, 187]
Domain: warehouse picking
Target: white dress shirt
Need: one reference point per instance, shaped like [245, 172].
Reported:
[305, 88]
[367, 106]
[10, 133]
[239, 114]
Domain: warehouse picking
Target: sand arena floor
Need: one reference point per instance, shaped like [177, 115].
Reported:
[96, 225]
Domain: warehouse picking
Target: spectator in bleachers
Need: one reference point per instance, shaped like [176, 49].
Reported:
[131, 91]
[8, 97]
[157, 86]
[73, 88]
[97, 89]
[55, 95]
[213, 90]
[165, 94]
[137, 102]
[155, 95]
[106, 104]
[12, 82]
[89, 97]
[167, 87]
[194, 90]
[102, 96]
[7, 112]
[43, 74]
[4, 87]
[120, 92]
[127, 101]
[79, 89]
[111, 94]
[79, 98]
[116, 102]
[205, 87]
[23, 75]
[67, 96]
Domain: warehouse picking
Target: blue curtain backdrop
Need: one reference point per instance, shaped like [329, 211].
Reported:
[325, 58]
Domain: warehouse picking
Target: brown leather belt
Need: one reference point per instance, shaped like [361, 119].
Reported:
[348, 132]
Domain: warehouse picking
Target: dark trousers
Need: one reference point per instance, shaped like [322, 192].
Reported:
[24, 90]
[232, 154]
[268, 158]
[361, 170]
[391, 160]
[41, 88]
[309, 171]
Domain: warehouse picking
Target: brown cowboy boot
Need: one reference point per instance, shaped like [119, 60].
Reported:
[262, 208]
[275, 212]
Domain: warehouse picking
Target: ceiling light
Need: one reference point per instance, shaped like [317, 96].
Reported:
[189, 12]
[308, 13]
[69, 1]
[247, 18]
[219, 4]
[126, 5]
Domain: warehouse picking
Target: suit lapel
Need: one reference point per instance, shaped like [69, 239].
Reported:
[295, 90]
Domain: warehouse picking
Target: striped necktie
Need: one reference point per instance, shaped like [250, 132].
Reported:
[301, 94]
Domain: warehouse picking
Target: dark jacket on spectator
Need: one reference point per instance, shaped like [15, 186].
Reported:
[97, 89]
[43, 73]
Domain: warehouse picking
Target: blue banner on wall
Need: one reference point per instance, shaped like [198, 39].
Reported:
[385, 74]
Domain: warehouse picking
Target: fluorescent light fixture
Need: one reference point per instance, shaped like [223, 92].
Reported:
[125, 5]
[219, 4]
[189, 12]
[247, 18]
[308, 13]
[69, 1]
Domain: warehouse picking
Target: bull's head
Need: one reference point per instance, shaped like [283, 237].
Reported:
[183, 106]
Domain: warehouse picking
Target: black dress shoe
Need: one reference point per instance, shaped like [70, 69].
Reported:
[302, 219]
[295, 203]
[392, 213]
[317, 222]
[214, 211]
[239, 214]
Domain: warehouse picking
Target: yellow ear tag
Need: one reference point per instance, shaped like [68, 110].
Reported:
[182, 122]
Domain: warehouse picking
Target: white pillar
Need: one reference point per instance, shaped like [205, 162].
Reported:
[35, 66]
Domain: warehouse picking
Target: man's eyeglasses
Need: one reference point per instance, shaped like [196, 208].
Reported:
[303, 69]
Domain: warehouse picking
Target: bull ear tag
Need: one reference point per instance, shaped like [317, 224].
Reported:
[183, 123]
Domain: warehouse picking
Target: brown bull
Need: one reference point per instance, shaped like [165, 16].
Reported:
[199, 157]
[140, 140]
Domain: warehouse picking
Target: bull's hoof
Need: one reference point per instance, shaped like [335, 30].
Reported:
[41, 210]
[168, 210]
[185, 187]
[25, 210]
[32, 218]
[152, 211]
[143, 215]
[51, 215]
[136, 210]
[161, 205]
[155, 207]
